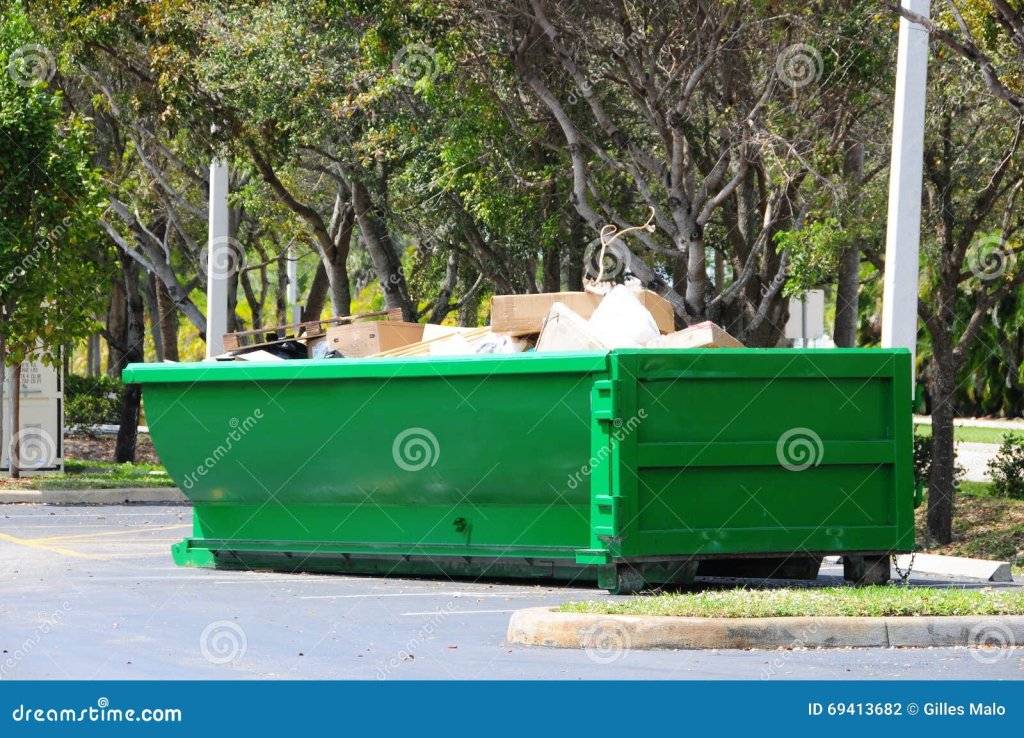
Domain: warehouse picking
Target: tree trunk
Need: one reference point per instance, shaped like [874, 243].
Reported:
[128, 430]
[382, 252]
[168, 321]
[336, 262]
[317, 295]
[234, 323]
[3, 377]
[844, 332]
[153, 311]
[469, 310]
[93, 356]
[552, 268]
[341, 294]
[15, 462]
[116, 323]
[573, 272]
[696, 277]
[942, 477]
[281, 295]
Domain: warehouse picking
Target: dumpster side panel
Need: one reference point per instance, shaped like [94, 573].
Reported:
[449, 458]
[739, 451]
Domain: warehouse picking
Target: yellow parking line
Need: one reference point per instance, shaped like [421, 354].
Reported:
[29, 543]
[90, 536]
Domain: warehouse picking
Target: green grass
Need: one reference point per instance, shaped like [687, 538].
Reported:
[984, 526]
[969, 433]
[975, 489]
[823, 601]
[79, 474]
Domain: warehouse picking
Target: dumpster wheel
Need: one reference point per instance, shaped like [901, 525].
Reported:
[628, 580]
[866, 570]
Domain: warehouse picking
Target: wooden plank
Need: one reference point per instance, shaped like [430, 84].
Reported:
[257, 337]
[421, 348]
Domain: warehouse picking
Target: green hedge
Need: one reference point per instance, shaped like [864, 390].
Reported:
[92, 400]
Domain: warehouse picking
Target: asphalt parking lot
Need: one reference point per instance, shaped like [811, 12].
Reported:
[91, 593]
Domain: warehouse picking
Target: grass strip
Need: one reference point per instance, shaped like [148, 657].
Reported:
[877, 601]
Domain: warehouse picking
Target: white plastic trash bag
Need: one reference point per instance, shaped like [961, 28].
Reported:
[621, 321]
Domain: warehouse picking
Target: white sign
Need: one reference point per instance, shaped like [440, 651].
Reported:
[806, 318]
[41, 427]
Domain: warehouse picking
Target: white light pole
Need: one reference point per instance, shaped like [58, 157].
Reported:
[219, 258]
[293, 286]
[903, 229]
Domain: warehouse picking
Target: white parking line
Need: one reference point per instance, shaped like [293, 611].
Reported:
[454, 612]
[94, 516]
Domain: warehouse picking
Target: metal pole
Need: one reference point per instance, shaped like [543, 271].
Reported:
[903, 229]
[219, 259]
[293, 286]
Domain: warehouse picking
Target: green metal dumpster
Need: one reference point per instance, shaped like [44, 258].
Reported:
[627, 467]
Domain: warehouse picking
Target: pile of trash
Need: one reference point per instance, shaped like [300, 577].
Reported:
[624, 317]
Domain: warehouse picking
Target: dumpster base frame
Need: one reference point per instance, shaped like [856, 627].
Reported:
[621, 576]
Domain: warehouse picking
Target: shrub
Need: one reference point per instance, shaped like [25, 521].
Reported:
[92, 400]
[1007, 468]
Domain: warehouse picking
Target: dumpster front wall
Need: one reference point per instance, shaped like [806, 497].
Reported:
[756, 451]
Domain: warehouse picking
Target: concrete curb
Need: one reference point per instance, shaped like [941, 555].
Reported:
[957, 566]
[541, 626]
[125, 496]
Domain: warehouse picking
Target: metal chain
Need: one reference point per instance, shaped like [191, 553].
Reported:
[903, 575]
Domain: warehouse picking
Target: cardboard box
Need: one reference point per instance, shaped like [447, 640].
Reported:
[521, 315]
[364, 339]
[567, 330]
[701, 335]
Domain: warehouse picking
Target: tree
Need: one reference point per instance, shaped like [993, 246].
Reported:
[50, 250]
[713, 117]
[973, 178]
